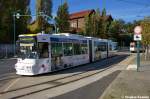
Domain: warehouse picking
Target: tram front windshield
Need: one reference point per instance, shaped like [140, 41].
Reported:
[27, 48]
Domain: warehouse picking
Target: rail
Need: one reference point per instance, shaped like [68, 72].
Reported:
[104, 65]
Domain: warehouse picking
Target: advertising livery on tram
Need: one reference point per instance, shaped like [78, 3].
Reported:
[43, 53]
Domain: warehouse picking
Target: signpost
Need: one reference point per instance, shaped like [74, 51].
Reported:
[138, 38]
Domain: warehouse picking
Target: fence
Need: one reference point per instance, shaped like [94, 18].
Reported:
[6, 50]
[121, 48]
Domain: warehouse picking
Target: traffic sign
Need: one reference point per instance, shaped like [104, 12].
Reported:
[137, 37]
[137, 30]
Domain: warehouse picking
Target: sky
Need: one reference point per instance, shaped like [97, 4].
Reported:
[128, 10]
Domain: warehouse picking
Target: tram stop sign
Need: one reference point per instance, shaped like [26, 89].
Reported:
[137, 33]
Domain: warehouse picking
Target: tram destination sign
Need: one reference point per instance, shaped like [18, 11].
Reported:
[27, 39]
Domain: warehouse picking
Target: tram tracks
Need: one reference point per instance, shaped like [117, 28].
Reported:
[11, 76]
[28, 90]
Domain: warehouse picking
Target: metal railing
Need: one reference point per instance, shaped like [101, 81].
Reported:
[6, 50]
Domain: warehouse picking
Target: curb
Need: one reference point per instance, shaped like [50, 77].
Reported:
[7, 59]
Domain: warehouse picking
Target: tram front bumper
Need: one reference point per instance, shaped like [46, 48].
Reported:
[22, 69]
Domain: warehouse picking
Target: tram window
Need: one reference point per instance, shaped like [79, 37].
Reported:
[96, 46]
[77, 49]
[110, 47]
[84, 48]
[103, 47]
[68, 49]
[43, 50]
[56, 49]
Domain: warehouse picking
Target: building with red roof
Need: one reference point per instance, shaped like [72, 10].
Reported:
[77, 20]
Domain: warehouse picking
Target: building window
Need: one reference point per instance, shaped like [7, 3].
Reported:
[73, 24]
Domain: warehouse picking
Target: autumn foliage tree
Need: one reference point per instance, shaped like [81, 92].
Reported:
[62, 19]
[93, 24]
[146, 35]
[43, 6]
[7, 9]
[97, 24]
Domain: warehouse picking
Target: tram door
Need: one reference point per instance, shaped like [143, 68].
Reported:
[43, 49]
[56, 56]
[107, 48]
[44, 62]
[90, 51]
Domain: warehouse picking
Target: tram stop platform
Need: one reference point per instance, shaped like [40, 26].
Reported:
[130, 84]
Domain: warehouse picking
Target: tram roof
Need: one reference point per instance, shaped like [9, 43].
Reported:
[97, 39]
[59, 35]
[68, 35]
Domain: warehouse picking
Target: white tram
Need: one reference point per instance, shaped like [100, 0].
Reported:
[43, 53]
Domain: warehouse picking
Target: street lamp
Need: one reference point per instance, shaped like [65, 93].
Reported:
[54, 22]
[15, 15]
[18, 15]
[53, 19]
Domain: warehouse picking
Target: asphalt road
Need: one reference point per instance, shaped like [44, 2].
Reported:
[6, 69]
[7, 66]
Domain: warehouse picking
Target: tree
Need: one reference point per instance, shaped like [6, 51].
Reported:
[92, 24]
[44, 6]
[88, 26]
[62, 19]
[104, 24]
[104, 12]
[146, 35]
[6, 18]
[97, 24]
[116, 30]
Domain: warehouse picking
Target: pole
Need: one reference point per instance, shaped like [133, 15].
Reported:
[138, 55]
[55, 28]
[61, 2]
[53, 18]
[6, 51]
[104, 4]
[15, 15]
[14, 33]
